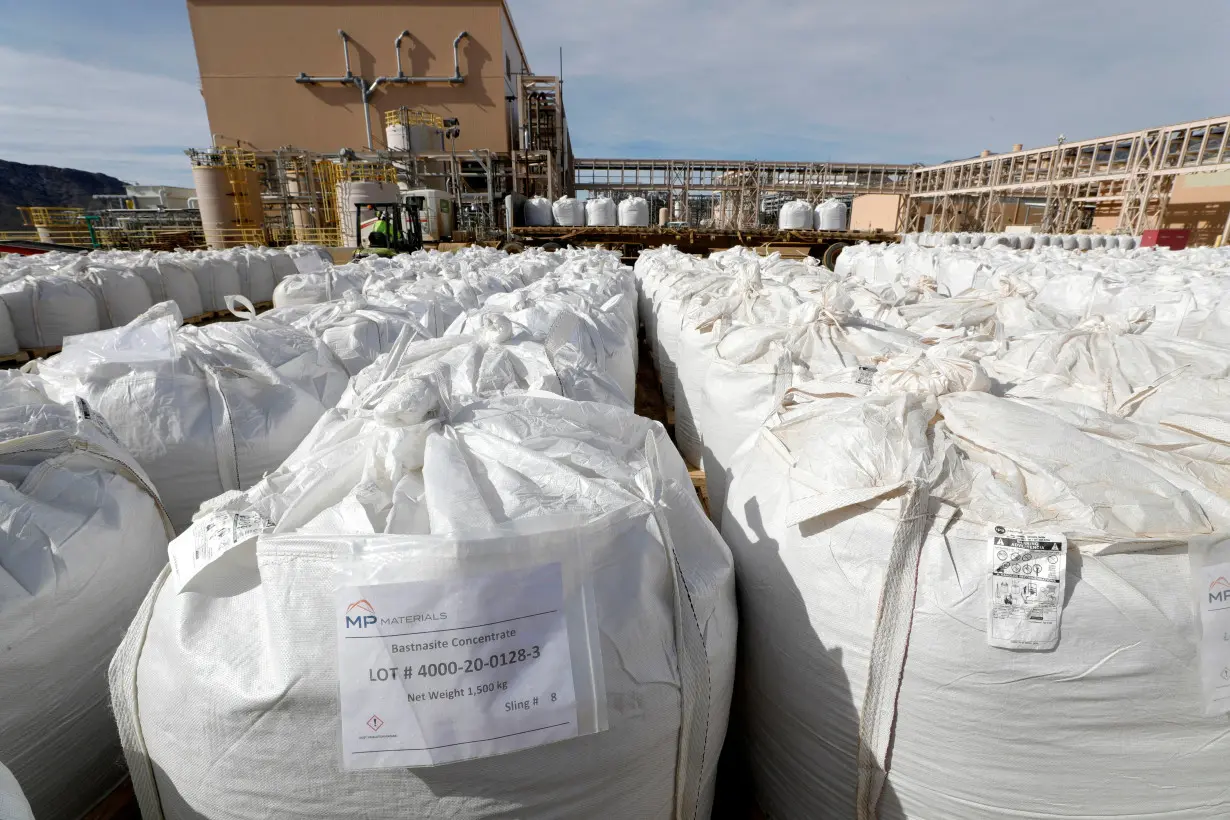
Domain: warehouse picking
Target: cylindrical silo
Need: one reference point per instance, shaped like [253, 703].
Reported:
[351, 194]
[230, 204]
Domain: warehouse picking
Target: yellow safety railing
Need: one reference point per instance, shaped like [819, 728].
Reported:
[413, 116]
[329, 237]
[222, 158]
[41, 217]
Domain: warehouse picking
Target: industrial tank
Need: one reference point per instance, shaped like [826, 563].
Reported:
[230, 203]
[436, 215]
[421, 139]
[600, 212]
[831, 215]
[795, 216]
[351, 194]
[537, 212]
[634, 213]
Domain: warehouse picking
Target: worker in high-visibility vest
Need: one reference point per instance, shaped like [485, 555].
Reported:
[381, 233]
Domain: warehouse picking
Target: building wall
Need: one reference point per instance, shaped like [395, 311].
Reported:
[874, 212]
[250, 51]
[1199, 204]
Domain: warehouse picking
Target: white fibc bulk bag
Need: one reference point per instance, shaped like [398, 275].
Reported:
[121, 295]
[831, 215]
[202, 409]
[590, 501]
[256, 278]
[301, 289]
[13, 803]
[46, 308]
[600, 212]
[538, 212]
[8, 333]
[169, 281]
[568, 212]
[215, 278]
[355, 330]
[795, 216]
[863, 526]
[1102, 362]
[282, 263]
[753, 366]
[497, 357]
[634, 212]
[603, 345]
[82, 536]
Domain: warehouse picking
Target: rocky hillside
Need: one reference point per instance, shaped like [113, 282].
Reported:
[47, 185]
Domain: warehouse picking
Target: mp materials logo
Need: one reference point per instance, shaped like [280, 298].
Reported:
[365, 614]
[1219, 591]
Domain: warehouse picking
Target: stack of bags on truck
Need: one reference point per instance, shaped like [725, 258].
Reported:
[987, 550]
[490, 460]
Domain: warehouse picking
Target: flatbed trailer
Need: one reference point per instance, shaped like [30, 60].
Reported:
[823, 245]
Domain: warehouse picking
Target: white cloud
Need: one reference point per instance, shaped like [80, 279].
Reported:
[132, 125]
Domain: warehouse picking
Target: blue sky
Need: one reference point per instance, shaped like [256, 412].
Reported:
[113, 86]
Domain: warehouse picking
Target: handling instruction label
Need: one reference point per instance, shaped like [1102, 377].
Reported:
[1212, 583]
[453, 669]
[1025, 588]
[209, 539]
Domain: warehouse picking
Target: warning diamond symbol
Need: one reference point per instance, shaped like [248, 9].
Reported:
[375, 722]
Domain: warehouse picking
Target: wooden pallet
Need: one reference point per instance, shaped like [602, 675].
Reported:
[42, 352]
[697, 474]
[15, 358]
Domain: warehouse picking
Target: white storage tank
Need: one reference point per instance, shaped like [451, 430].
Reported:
[537, 212]
[600, 212]
[421, 139]
[831, 215]
[436, 214]
[568, 212]
[634, 212]
[352, 194]
[795, 216]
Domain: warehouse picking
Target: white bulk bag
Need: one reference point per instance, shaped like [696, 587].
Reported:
[600, 212]
[82, 536]
[568, 212]
[634, 212]
[170, 281]
[795, 216]
[203, 410]
[301, 289]
[13, 803]
[831, 215]
[256, 276]
[46, 308]
[215, 277]
[8, 333]
[538, 212]
[282, 262]
[419, 491]
[355, 330]
[859, 532]
[121, 295]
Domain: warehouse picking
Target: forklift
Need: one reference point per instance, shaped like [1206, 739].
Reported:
[396, 240]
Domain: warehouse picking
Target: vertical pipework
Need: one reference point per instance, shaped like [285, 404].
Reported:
[457, 56]
[397, 48]
[346, 50]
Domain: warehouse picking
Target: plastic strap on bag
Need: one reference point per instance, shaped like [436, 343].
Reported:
[691, 653]
[889, 646]
[234, 299]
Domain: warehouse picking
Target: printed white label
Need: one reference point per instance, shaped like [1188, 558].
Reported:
[211, 539]
[1025, 588]
[1212, 584]
[86, 413]
[866, 375]
[453, 669]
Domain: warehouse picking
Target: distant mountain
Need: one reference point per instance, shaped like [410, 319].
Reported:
[49, 186]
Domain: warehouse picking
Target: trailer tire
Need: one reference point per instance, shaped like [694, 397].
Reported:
[832, 252]
[512, 247]
[551, 247]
